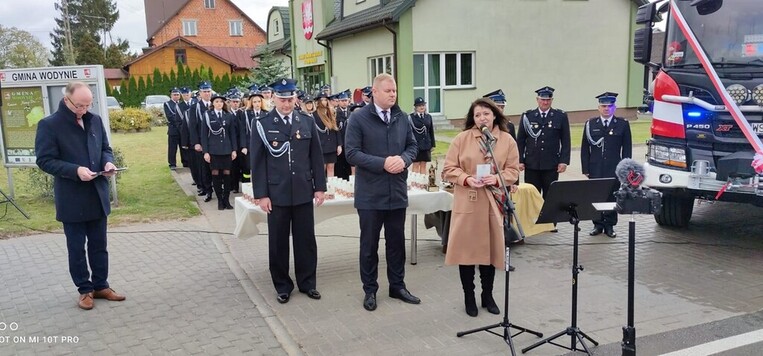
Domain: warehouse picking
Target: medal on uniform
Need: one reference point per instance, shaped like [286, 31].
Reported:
[549, 124]
[535, 126]
[275, 143]
[297, 134]
[610, 132]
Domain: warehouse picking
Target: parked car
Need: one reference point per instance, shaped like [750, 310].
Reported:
[112, 103]
[154, 101]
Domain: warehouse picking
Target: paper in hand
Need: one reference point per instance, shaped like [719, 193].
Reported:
[96, 174]
[483, 170]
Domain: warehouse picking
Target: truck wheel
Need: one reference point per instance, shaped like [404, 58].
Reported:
[676, 210]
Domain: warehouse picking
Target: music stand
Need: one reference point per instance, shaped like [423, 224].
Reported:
[573, 201]
[7, 199]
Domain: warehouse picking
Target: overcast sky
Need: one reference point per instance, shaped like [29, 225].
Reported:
[37, 17]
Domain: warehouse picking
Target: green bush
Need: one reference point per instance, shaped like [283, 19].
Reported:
[129, 119]
[157, 116]
[40, 184]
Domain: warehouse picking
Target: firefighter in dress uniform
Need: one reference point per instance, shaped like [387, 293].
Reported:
[342, 168]
[499, 98]
[543, 140]
[245, 124]
[328, 131]
[218, 144]
[287, 175]
[606, 141]
[195, 123]
[237, 110]
[174, 119]
[186, 152]
[423, 131]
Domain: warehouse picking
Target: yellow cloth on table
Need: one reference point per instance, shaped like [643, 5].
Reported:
[528, 202]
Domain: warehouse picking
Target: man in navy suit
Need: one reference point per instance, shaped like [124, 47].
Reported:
[71, 145]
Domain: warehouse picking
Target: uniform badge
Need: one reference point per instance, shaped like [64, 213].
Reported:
[535, 126]
[298, 135]
[549, 124]
[610, 132]
[275, 143]
[275, 120]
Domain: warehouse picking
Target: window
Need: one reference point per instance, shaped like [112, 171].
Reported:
[236, 27]
[209, 4]
[189, 28]
[180, 56]
[275, 23]
[458, 69]
[379, 65]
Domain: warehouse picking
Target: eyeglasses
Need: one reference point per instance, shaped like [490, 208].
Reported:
[78, 107]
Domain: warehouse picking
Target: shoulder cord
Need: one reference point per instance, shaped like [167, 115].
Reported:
[217, 132]
[526, 123]
[419, 131]
[598, 143]
[275, 152]
[248, 123]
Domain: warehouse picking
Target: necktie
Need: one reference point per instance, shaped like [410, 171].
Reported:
[385, 117]
[218, 115]
[543, 115]
[606, 123]
[287, 122]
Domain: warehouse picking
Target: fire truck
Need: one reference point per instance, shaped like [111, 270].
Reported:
[697, 149]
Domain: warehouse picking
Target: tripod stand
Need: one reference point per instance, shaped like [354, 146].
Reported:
[508, 208]
[568, 201]
[7, 199]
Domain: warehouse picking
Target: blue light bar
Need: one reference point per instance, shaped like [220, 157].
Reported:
[693, 114]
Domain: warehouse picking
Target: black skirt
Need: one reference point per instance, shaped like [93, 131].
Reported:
[220, 162]
[424, 156]
[329, 158]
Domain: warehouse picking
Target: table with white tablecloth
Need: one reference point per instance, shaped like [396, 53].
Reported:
[420, 202]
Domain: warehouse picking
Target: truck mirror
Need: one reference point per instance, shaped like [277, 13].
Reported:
[707, 7]
[646, 14]
[642, 45]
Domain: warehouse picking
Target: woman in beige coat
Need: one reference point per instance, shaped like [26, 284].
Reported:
[476, 230]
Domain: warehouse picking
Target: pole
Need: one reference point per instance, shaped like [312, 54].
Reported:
[629, 331]
[10, 181]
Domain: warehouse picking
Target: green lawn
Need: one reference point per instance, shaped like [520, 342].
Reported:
[146, 191]
[639, 132]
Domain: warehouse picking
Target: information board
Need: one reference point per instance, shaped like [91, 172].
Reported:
[30, 94]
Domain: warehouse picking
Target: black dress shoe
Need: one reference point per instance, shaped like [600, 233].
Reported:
[610, 231]
[369, 302]
[208, 198]
[595, 231]
[313, 294]
[201, 193]
[283, 298]
[404, 295]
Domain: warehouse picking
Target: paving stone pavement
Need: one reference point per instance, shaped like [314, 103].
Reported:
[684, 278]
[181, 298]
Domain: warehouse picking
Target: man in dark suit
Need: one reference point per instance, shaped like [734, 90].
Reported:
[606, 141]
[287, 176]
[543, 140]
[185, 136]
[174, 119]
[72, 145]
[195, 117]
[380, 144]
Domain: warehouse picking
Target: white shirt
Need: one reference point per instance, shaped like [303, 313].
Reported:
[605, 121]
[381, 115]
[544, 113]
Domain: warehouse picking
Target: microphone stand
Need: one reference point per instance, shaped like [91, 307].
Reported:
[508, 207]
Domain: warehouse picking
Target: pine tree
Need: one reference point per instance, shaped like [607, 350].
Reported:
[173, 79]
[108, 87]
[89, 21]
[168, 84]
[269, 70]
[158, 84]
[133, 99]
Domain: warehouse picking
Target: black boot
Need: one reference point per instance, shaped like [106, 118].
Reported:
[487, 276]
[217, 186]
[226, 191]
[467, 282]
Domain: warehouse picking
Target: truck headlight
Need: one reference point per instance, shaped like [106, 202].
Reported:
[671, 156]
[757, 94]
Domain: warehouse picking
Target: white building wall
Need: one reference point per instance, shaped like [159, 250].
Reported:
[350, 56]
[578, 47]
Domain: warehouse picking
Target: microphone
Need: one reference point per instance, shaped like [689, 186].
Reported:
[630, 173]
[486, 133]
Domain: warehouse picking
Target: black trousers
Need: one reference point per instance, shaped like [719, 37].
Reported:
[342, 168]
[185, 159]
[173, 143]
[541, 179]
[246, 170]
[93, 235]
[203, 174]
[371, 222]
[301, 221]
